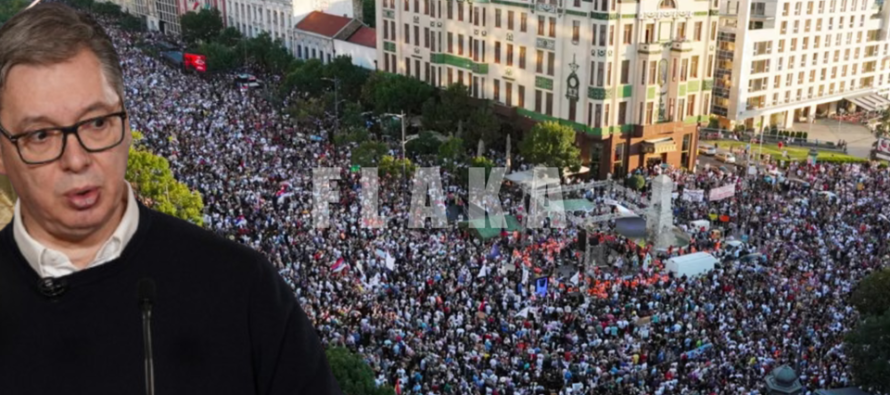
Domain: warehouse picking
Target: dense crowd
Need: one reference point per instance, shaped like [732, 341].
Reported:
[440, 311]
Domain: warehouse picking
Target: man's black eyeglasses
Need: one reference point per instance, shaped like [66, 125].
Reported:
[47, 145]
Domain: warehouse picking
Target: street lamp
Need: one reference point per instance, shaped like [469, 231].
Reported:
[401, 116]
[336, 82]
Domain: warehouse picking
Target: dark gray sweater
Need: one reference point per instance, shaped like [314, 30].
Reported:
[223, 322]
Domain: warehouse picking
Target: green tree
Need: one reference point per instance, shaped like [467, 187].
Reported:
[131, 23]
[153, 182]
[351, 116]
[452, 108]
[368, 153]
[425, 144]
[229, 36]
[451, 153]
[350, 77]
[637, 182]
[483, 125]
[553, 145]
[353, 374]
[872, 295]
[306, 110]
[306, 79]
[269, 54]
[477, 162]
[220, 58]
[83, 4]
[386, 92]
[201, 26]
[107, 9]
[868, 347]
[369, 13]
[390, 166]
[8, 9]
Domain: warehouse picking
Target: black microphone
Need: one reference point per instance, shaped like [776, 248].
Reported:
[52, 288]
[146, 298]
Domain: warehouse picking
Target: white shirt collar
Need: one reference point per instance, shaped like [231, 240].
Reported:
[51, 263]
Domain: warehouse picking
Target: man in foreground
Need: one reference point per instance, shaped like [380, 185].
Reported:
[99, 294]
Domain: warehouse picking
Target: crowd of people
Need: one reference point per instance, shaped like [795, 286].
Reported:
[442, 311]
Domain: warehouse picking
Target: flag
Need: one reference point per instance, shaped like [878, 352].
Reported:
[495, 251]
[483, 272]
[524, 275]
[339, 265]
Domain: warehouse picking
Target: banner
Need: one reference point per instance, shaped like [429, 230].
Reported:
[195, 61]
[722, 192]
[541, 286]
[694, 195]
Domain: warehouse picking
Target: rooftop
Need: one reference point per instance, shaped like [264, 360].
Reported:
[323, 24]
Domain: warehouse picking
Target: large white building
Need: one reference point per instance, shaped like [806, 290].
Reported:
[785, 61]
[632, 77]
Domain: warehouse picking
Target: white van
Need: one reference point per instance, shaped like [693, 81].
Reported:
[690, 265]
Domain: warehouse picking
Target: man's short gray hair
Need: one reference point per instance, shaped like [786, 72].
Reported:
[52, 33]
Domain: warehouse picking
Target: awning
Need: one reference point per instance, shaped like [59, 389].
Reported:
[659, 146]
[870, 102]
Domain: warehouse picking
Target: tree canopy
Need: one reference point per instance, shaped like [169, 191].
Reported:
[8, 8]
[201, 26]
[386, 92]
[353, 374]
[868, 346]
[553, 145]
[872, 295]
[153, 182]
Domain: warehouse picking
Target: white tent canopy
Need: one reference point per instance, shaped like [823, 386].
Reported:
[529, 180]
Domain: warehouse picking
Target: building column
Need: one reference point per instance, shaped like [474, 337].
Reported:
[789, 119]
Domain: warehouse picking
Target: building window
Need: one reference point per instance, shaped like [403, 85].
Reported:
[522, 58]
[537, 101]
[551, 61]
[625, 71]
[553, 27]
[541, 20]
[622, 113]
[576, 31]
[497, 52]
[497, 17]
[407, 34]
[606, 115]
[417, 35]
[460, 44]
[609, 74]
[523, 22]
[690, 110]
[539, 62]
[509, 92]
[650, 109]
[693, 70]
[450, 42]
[510, 20]
[611, 35]
[549, 104]
[600, 70]
[521, 98]
[408, 67]
[628, 34]
[497, 90]
[509, 54]
[653, 73]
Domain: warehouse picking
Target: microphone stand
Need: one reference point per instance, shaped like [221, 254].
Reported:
[146, 341]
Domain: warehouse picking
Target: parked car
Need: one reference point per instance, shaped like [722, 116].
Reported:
[708, 150]
[725, 157]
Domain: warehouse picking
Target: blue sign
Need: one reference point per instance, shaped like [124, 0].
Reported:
[541, 286]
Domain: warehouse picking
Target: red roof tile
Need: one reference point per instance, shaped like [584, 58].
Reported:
[323, 24]
[364, 36]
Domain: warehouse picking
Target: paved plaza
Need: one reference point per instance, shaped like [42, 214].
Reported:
[859, 138]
